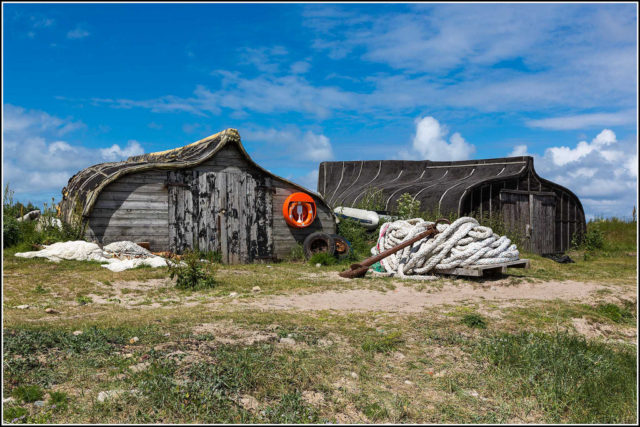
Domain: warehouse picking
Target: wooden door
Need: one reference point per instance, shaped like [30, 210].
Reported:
[229, 212]
[531, 216]
[543, 222]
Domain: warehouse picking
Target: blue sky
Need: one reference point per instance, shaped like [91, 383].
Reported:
[305, 83]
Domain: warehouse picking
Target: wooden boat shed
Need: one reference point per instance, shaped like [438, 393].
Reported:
[208, 195]
[547, 215]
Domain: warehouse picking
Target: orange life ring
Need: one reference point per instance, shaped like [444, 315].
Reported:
[299, 210]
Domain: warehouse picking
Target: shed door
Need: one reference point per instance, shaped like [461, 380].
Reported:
[227, 212]
[532, 216]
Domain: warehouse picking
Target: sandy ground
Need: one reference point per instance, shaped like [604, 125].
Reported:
[406, 299]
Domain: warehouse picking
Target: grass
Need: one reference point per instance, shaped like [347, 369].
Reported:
[479, 361]
[571, 379]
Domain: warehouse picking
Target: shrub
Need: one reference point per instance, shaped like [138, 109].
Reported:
[408, 207]
[474, 320]
[593, 239]
[296, 253]
[322, 258]
[191, 273]
[357, 235]
[28, 393]
[372, 200]
[10, 231]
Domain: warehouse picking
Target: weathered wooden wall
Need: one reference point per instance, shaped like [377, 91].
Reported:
[135, 208]
[532, 216]
[224, 204]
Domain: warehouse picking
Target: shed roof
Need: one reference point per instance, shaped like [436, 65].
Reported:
[439, 185]
[84, 187]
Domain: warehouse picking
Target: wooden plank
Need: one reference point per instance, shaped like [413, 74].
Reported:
[126, 204]
[221, 192]
[123, 186]
[129, 213]
[138, 221]
[482, 270]
[155, 230]
[134, 196]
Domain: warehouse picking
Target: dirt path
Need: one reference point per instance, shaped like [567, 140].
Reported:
[406, 299]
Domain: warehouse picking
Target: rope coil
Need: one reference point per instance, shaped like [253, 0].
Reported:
[464, 242]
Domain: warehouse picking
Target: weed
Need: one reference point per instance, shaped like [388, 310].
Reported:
[322, 258]
[383, 344]
[40, 290]
[12, 414]
[59, 398]
[191, 273]
[291, 410]
[407, 206]
[82, 300]
[615, 313]
[572, 380]
[372, 200]
[295, 254]
[28, 393]
[357, 235]
[474, 320]
[375, 411]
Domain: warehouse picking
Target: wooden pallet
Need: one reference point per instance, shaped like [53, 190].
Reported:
[485, 270]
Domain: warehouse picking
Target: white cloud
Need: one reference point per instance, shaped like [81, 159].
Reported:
[300, 67]
[430, 142]
[309, 181]
[77, 33]
[603, 173]
[582, 121]
[519, 150]
[264, 59]
[115, 153]
[37, 162]
[307, 146]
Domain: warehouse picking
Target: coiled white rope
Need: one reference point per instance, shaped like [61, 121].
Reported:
[464, 242]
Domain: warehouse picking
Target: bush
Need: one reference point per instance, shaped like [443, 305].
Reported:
[322, 258]
[474, 321]
[28, 393]
[408, 207]
[372, 200]
[593, 239]
[10, 231]
[191, 273]
[357, 235]
[295, 254]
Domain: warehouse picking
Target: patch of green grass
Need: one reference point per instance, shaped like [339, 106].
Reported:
[384, 343]
[615, 313]
[375, 411]
[474, 320]
[572, 380]
[39, 289]
[83, 299]
[11, 413]
[322, 258]
[58, 398]
[28, 393]
[291, 410]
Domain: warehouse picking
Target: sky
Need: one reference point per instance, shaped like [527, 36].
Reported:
[306, 83]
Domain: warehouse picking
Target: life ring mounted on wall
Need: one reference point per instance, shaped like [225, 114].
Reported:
[299, 210]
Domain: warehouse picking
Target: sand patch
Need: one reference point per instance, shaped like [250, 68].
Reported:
[406, 299]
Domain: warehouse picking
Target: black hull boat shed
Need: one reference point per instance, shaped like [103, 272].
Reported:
[546, 214]
[208, 195]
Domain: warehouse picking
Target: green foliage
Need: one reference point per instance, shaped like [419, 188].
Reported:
[291, 410]
[322, 258]
[211, 256]
[44, 230]
[357, 235]
[28, 393]
[295, 254]
[384, 343]
[593, 239]
[573, 380]
[82, 300]
[191, 273]
[474, 320]
[616, 313]
[375, 411]
[372, 200]
[59, 398]
[13, 413]
[407, 207]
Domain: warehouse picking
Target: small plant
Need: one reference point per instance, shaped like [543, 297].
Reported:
[28, 393]
[357, 235]
[615, 313]
[383, 344]
[408, 207]
[191, 273]
[322, 258]
[83, 300]
[13, 413]
[474, 320]
[295, 254]
[372, 200]
[58, 398]
[40, 290]
[593, 239]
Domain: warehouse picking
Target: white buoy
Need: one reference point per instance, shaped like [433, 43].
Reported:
[368, 219]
